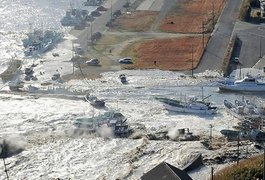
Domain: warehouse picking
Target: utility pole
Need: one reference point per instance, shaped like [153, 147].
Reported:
[211, 173]
[4, 155]
[111, 10]
[202, 34]
[263, 178]
[73, 57]
[192, 60]
[91, 32]
[210, 138]
[260, 47]
[237, 162]
[213, 14]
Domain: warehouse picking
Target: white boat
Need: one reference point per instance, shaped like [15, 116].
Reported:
[243, 109]
[247, 84]
[192, 106]
[39, 41]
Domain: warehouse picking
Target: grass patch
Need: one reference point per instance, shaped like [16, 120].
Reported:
[131, 50]
[107, 41]
[246, 169]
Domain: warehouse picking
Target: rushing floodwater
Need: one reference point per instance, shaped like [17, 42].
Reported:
[43, 125]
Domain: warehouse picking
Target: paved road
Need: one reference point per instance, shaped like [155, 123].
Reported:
[215, 51]
[251, 46]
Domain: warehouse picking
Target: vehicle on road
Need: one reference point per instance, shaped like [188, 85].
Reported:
[93, 62]
[126, 60]
[236, 60]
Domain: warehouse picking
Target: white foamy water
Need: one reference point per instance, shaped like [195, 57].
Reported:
[44, 123]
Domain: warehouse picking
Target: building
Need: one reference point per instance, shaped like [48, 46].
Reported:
[165, 171]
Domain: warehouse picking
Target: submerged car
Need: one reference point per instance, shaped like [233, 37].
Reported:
[126, 60]
[93, 62]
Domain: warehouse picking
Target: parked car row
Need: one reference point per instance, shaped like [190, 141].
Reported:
[96, 62]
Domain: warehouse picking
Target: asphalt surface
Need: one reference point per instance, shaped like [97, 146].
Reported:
[214, 54]
[251, 45]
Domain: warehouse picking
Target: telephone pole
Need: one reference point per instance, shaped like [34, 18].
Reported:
[213, 14]
[260, 47]
[202, 34]
[91, 32]
[210, 138]
[192, 60]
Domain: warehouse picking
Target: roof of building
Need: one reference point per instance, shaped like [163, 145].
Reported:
[165, 171]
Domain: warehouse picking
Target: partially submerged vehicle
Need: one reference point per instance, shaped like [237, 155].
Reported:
[123, 78]
[94, 101]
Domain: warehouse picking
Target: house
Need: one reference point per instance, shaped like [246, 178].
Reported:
[165, 171]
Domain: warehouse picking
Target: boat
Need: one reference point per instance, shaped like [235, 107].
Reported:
[111, 119]
[93, 2]
[252, 134]
[247, 84]
[75, 17]
[243, 109]
[16, 84]
[230, 134]
[193, 105]
[94, 101]
[38, 41]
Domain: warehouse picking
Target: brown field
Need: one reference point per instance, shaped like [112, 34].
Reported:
[170, 54]
[188, 17]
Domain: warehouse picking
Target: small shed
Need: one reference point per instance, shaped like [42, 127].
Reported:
[165, 171]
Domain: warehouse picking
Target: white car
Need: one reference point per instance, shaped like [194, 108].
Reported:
[236, 60]
[93, 62]
[126, 60]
